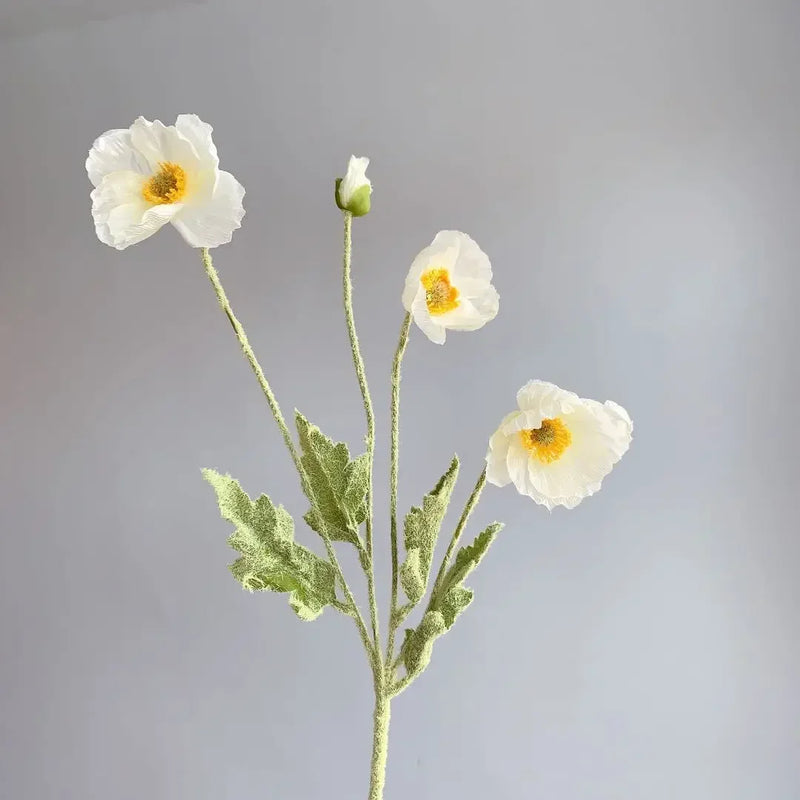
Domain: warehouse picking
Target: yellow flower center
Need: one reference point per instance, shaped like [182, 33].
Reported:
[440, 295]
[168, 185]
[547, 442]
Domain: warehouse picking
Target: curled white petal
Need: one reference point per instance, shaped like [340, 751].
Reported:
[599, 434]
[465, 273]
[212, 223]
[121, 215]
[112, 152]
[153, 173]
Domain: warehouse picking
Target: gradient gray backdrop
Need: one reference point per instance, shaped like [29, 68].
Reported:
[632, 167]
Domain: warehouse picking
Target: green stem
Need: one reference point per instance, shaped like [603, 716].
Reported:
[462, 523]
[287, 437]
[358, 363]
[380, 741]
[395, 453]
[251, 358]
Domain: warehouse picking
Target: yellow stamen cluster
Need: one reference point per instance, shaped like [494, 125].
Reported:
[168, 185]
[440, 295]
[547, 442]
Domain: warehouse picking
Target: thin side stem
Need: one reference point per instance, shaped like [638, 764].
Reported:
[358, 363]
[462, 523]
[252, 360]
[287, 437]
[395, 456]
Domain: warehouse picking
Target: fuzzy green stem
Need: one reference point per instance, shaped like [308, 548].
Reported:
[287, 438]
[358, 363]
[380, 741]
[251, 358]
[462, 523]
[395, 455]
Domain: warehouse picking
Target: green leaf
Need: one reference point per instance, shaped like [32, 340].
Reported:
[418, 643]
[447, 602]
[270, 558]
[454, 602]
[421, 529]
[338, 484]
[452, 597]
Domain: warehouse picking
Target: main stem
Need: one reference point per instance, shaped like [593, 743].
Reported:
[380, 735]
[395, 454]
[372, 649]
[380, 740]
[358, 363]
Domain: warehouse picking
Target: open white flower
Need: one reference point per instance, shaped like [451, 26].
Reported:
[557, 447]
[354, 190]
[152, 173]
[449, 287]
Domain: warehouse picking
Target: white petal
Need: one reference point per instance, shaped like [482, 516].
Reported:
[419, 310]
[113, 152]
[413, 285]
[472, 262]
[122, 217]
[546, 398]
[354, 179]
[471, 314]
[441, 253]
[600, 435]
[212, 223]
[496, 466]
[191, 127]
[470, 273]
[517, 459]
[158, 143]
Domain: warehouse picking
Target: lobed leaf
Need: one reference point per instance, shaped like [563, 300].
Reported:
[270, 559]
[338, 484]
[446, 603]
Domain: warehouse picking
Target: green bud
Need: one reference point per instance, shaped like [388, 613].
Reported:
[359, 204]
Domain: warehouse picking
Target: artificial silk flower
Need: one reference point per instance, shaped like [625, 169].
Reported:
[354, 190]
[449, 286]
[557, 447]
[152, 173]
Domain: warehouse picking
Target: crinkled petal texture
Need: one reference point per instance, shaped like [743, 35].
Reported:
[597, 436]
[449, 287]
[152, 173]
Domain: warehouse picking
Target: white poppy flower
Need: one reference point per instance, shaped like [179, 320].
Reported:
[354, 190]
[557, 447]
[449, 287]
[152, 173]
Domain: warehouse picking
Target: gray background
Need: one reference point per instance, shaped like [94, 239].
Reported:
[632, 168]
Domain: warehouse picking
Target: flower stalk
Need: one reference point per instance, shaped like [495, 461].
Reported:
[393, 477]
[272, 401]
[358, 363]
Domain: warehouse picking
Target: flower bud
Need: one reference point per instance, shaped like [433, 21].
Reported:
[354, 190]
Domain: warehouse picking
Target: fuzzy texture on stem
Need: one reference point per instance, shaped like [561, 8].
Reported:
[372, 649]
[395, 450]
[380, 741]
[358, 363]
